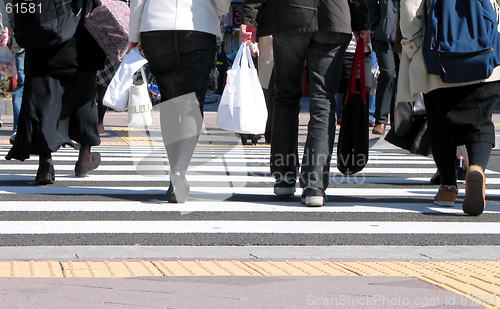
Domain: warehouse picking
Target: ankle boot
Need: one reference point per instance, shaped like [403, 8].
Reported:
[178, 191]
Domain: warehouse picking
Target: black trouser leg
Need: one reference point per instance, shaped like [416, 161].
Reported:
[445, 157]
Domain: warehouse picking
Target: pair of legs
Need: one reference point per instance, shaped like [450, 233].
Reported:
[322, 52]
[181, 62]
[388, 62]
[463, 116]
[57, 111]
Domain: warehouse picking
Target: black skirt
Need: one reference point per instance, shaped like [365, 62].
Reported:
[463, 115]
[56, 111]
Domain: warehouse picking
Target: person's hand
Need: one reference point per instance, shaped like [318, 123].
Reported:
[134, 44]
[248, 33]
[363, 34]
[254, 49]
[4, 39]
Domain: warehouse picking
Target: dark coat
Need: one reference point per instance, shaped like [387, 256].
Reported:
[383, 16]
[305, 16]
[80, 52]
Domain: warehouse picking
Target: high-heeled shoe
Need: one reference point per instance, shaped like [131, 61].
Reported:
[178, 191]
[45, 174]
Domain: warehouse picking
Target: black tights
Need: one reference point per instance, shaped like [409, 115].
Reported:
[445, 158]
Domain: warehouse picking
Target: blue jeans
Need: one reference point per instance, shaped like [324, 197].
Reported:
[371, 100]
[17, 93]
[322, 52]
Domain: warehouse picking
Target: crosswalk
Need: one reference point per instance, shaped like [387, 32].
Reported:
[232, 203]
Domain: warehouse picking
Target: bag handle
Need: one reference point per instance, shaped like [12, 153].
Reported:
[238, 57]
[359, 60]
[248, 56]
[143, 74]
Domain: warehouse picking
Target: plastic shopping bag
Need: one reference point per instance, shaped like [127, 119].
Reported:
[7, 62]
[116, 96]
[242, 107]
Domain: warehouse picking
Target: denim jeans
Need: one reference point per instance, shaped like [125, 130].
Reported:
[322, 52]
[371, 100]
[17, 93]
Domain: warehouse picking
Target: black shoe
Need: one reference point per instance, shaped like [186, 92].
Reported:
[178, 191]
[45, 174]
[284, 188]
[436, 179]
[313, 197]
[81, 170]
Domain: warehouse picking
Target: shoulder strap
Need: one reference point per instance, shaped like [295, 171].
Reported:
[358, 61]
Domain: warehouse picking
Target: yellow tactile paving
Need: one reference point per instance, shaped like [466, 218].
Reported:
[477, 281]
[134, 137]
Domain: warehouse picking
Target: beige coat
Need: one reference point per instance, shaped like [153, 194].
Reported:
[413, 77]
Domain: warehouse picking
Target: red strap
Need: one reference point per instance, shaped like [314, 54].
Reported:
[358, 61]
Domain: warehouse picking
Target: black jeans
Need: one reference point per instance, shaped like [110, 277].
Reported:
[323, 53]
[388, 63]
[180, 61]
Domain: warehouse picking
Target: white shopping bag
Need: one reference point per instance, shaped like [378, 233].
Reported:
[116, 96]
[242, 106]
[140, 108]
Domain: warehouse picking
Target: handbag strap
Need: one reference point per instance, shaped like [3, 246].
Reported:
[358, 61]
[143, 74]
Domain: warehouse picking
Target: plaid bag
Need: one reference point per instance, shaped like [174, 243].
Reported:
[108, 24]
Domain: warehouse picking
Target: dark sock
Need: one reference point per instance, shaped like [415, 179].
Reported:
[479, 153]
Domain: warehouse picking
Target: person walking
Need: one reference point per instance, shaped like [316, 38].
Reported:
[312, 34]
[19, 55]
[59, 102]
[346, 72]
[383, 16]
[179, 40]
[458, 113]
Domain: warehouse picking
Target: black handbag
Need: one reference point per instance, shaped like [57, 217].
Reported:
[352, 146]
[408, 116]
[417, 141]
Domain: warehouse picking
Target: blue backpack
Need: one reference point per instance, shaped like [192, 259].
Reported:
[461, 41]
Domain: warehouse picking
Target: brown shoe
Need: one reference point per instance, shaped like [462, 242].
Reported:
[474, 200]
[446, 196]
[379, 129]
